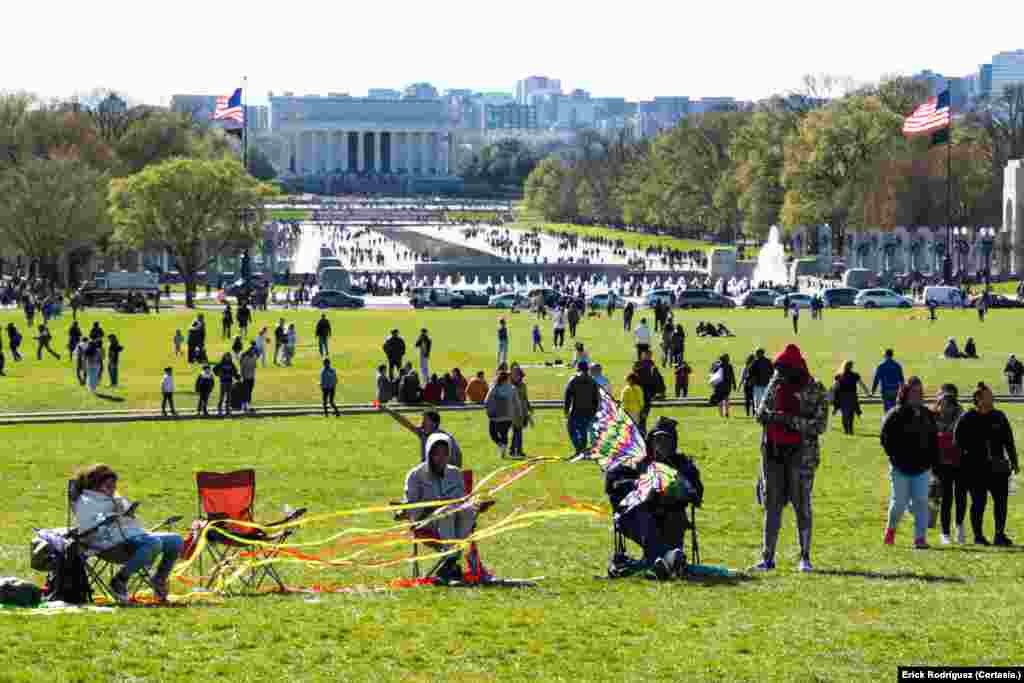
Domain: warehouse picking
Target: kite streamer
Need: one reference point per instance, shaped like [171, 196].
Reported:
[375, 548]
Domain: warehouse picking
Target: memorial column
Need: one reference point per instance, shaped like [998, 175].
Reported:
[378, 156]
[344, 151]
[360, 152]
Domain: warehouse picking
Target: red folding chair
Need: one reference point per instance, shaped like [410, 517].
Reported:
[430, 538]
[227, 497]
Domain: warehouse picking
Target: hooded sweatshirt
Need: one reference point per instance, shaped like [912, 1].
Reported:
[422, 484]
[785, 399]
[92, 508]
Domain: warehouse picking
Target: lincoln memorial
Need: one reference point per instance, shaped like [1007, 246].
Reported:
[330, 135]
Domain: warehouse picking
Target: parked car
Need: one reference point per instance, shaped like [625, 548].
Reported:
[333, 298]
[551, 297]
[801, 300]
[839, 296]
[943, 296]
[758, 298]
[421, 297]
[472, 296]
[881, 298]
[665, 296]
[703, 298]
[238, 286]
[508, 300]
[997, 301]
[600, 300]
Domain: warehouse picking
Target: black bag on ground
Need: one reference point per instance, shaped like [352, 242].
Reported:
[18, 592]
[237, 394]
[67, 580]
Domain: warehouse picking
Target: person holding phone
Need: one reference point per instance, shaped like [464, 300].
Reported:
[97, 502]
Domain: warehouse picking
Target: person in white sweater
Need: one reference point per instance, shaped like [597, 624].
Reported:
[97, 506]
[167, 389]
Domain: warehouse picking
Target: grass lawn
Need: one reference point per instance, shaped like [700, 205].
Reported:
[868, 609]
[466, 339]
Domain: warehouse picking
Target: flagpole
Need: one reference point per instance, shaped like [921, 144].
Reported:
[245, 124]
[947, 266]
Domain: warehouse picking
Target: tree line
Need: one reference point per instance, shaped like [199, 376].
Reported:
[796, 160]
[94, 176]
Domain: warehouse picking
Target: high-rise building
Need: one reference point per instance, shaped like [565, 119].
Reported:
[508, 116]
[535, 85]
[383, 94]
[420, 91]
[984, 88]
[610, 107]
[1007, 69]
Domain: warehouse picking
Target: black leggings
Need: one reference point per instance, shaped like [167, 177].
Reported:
[954, 488]
[499, 432]
[848, 415]
[982, 484]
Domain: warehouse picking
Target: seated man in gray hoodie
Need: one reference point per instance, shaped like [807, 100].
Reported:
[435, 479]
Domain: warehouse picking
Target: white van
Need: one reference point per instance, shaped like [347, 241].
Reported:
[943, 296]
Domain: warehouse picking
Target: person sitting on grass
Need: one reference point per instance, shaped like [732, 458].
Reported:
[970, 350]
[433, 391]
[951, 350]
[476, 390]
[96, 502]
[723, 331]
[436, 479]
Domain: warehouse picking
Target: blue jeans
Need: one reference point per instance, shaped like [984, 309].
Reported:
[112, 369]
[579, 431]
[909, 490]
[888, 401]
[147, 547]
[93, 377]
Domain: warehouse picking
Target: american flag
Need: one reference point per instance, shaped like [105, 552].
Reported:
[230, 108]
[933, 115]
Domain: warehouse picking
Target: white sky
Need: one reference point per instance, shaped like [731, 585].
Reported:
[151, 49]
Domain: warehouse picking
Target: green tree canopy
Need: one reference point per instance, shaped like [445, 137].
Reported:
[191, 207]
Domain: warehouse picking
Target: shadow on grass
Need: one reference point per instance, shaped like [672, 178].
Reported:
[108, 397]
[895, 576]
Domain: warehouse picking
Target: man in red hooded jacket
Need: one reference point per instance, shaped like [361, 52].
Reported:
[794, 413]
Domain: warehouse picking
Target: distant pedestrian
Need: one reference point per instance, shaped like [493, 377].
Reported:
[43, 341]
[328, 386]
[323, 335]
[178, 340]
[844, 395]
[642, 335]
[247, 370]
[291, 344]
[237, 347]
[244, 317]
[14, 341]
[228, 374]
[723, 383]
[910, 439]
[74, 336]
[502, 342]
[394, 350]
[537, 342]
[204, 388]
[261, 346]
[503, 410]
[573, 318]
[114, 358]
[796, 317]
[227, 320]
[280, 340]
[582, 398]
[888, 376]
[558, 328]
[167, 391]
[385, 387]
[424, 344]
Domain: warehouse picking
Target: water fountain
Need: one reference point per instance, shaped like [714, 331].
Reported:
[771, 261]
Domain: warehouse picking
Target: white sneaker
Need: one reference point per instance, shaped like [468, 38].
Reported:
[944, 539]
[805, 565]
[961, 538]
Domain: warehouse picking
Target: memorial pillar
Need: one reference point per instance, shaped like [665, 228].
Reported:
[344, 151]
[378, 156]
[360, 152]
[425, 153]
[445, 151]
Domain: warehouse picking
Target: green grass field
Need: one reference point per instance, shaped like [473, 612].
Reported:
[466, 339]
[866, 610]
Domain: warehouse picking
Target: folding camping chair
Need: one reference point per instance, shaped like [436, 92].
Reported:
[227, 497]
[102, 565]
[619, 539]
[430, 538]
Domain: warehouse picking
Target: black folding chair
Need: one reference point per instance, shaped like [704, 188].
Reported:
[102, 565]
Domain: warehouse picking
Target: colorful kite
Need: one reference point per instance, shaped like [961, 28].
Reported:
[615, 438]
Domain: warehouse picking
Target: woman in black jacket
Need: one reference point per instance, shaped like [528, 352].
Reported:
[844, 394]
[910, 439]
[988, 456]
[725, 386]
[228, 374]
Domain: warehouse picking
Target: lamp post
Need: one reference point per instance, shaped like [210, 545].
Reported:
[962, 248]
[988, 238]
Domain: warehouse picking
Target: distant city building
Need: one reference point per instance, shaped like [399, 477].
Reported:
[420, 91]
[199, 107]
[534, 85]
[508, 116]
[710, 104]
[984, 88]
[112, 104]
[383, 94]
[1007, 69]
[610, 107]
[579, 94]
